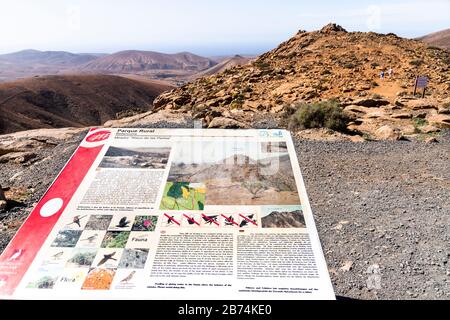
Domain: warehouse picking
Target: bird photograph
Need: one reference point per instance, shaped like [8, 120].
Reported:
[58, 255]
[128, 278]
[91, 239]
[123, 223]
[106, 258]
[76, 220]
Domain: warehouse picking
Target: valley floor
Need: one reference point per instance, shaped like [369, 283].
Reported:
[382, 210]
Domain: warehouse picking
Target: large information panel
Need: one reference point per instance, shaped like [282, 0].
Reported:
[171, 214]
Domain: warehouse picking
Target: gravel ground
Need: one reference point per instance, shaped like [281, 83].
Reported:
[382, 210]
[35, 179]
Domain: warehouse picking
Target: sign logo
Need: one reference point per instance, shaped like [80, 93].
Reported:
[99, 136]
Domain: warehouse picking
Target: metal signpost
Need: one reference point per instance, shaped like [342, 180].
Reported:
[421, 82]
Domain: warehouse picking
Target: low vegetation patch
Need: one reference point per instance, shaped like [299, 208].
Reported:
[416, 62]
[377, 96]
[326, 114]
[418, 123]
[262, 65]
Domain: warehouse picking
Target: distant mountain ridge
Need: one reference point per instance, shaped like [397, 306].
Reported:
[47, 57]
[139, 61]
[178, 68]
[27, 63]
[439, 39]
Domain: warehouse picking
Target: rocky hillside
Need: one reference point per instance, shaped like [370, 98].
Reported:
[72, 101]
[328, 64]
[438, 39]
[237, 60]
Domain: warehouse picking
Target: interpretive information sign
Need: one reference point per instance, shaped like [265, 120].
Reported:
[171, 214]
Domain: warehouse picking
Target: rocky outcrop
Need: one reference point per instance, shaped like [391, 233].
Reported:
[332, 27]
[371, 103]
[3, 202]
[23, 147]
[387, 133]
[227, 123]
[440, 120]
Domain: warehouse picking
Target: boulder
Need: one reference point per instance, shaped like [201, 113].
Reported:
[17, 157]
[419, 104]
[356, 139]
[387, 133]
[429, 129]
[376, 114]
[3, 202]
[182, 99]
[408, 129]
[430, 140]
[371, 103]
[356, 109]
[439, 120]
[332, 27]
[402, 115]
[399, 103]
[227, 123]
[444, 110]
[162, 100]
[213, 102]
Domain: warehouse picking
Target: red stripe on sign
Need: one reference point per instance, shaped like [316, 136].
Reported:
[21, 251]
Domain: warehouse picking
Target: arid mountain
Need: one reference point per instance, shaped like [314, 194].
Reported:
[28, 63]
[72, 100]
[47, 57]
[291, 219]
[177, 68]
[133, 61]
[439, 39]
[237, 60]
[327, 64]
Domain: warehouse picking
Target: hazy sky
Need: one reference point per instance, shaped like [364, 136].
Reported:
[207, 27]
